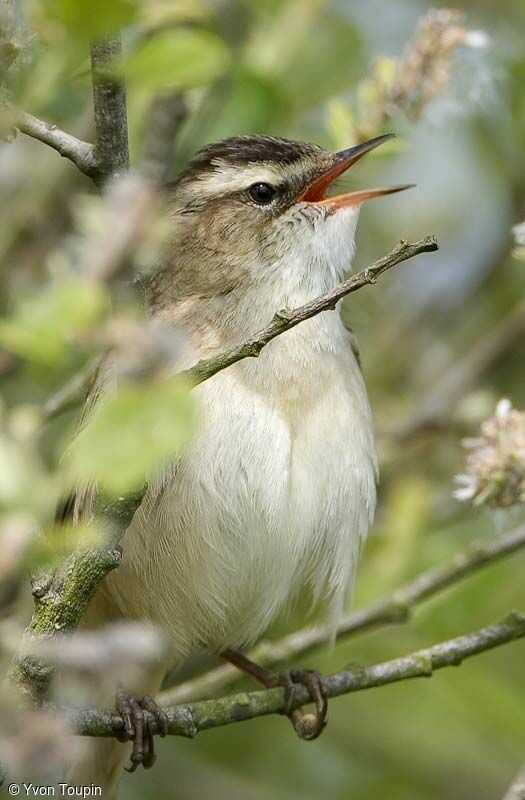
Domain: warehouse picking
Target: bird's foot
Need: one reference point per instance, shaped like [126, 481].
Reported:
[137, 728]
[307, 725]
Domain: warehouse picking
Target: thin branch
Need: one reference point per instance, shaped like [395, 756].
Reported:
[80, 153]
[188, 720]
[390, 610]
[517, 790]
[110, 107]
[109, 157]
[285, 320]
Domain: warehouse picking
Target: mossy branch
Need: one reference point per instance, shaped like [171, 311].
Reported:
[62, 597]
[390, 610]
[189, 719]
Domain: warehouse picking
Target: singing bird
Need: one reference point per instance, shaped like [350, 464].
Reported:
[274, 495]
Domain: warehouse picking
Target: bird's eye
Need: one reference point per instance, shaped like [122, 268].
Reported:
[262, 193]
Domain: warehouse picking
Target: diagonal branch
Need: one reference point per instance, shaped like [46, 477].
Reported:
[80, 153]
[188, 720]
[387, 611]
[285, 320]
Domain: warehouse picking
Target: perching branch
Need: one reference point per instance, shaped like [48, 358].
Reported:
[110, 107]
[390, 610]
[285, 320]
[188, 720]
[80, 153]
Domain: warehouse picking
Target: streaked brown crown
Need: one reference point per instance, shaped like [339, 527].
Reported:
[244, 150]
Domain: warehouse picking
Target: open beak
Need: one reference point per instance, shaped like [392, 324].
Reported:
[316, 192]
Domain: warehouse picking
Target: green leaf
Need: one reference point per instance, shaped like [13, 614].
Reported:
[92, 18]
[44, 326]
[176, 59]
[131, 432]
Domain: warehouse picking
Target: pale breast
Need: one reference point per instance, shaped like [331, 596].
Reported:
[274, 495]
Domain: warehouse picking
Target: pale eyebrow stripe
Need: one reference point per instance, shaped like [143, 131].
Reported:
[228, 178]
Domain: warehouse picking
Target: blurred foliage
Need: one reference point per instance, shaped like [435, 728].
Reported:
[325, 71]
[151, 422]
[175, 59]
[41, 327]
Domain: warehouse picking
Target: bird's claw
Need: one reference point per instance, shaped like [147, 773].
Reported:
[137, 727]
[307, 726]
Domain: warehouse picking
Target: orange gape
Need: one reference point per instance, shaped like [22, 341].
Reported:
[315, 192]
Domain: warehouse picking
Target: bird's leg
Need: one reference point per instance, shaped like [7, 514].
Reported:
[137, 728]
[307, 726]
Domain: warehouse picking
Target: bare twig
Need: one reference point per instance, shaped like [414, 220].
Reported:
[109, 103]
[188, 720]
[109, 157]
[517, 790]
[80, 153]
[286, 319]
[389, 610]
